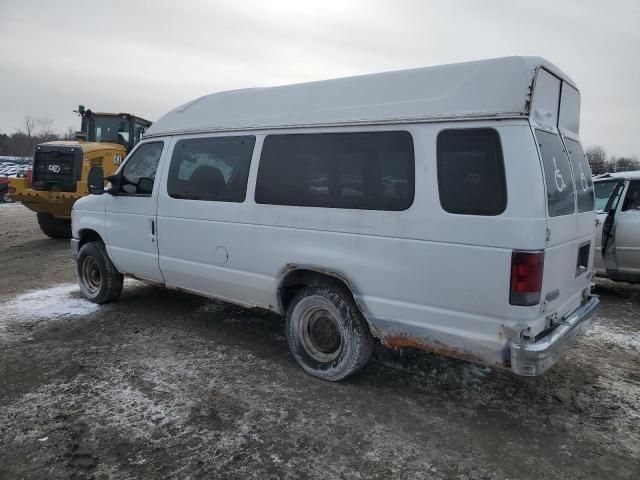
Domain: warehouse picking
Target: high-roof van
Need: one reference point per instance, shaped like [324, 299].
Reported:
[446, 208]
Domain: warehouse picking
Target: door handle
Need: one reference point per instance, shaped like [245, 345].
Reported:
[153, 229]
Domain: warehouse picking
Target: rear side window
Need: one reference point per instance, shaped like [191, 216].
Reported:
[557, 174]
[582, 174]
[213, 169]
[471, 179]
[366, 171]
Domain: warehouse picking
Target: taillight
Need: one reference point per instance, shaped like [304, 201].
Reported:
[526, 278]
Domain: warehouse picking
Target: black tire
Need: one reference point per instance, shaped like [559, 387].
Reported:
[315, 316]
[4, 195]
[98, 277]
[54, 227]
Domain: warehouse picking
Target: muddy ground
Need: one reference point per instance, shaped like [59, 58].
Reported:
[169, 385]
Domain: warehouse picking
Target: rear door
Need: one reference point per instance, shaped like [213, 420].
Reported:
[569, 190]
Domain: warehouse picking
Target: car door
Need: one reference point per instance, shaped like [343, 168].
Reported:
[627, 235]
[603, 204]
[609, 228]
[131, 213]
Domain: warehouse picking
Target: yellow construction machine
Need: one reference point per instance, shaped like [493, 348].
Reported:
[60, 168]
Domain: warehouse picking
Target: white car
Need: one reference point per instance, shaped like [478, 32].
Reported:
[618, 217]
[395, 206]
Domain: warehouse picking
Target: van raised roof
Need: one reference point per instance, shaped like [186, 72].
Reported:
[494, 88]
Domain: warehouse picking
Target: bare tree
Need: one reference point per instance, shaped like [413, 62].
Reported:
[30, 124]
[597, 158]
[45, 129]
[625, 164]
[69, 134]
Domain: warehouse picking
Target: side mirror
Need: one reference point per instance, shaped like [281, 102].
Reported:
[115, 181]
[96, 181]
[145, 186]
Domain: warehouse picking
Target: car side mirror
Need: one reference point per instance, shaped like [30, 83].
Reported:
[145, 185]
[96, 181]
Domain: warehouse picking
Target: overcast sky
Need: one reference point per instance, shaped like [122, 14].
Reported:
[146, 57]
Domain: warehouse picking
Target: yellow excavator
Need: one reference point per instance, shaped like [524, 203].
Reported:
[60, 168]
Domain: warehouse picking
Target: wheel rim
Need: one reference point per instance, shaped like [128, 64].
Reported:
[6, 198]
[91, 276]
[320, 334]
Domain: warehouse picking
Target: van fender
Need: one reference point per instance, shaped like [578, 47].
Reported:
[291, 269]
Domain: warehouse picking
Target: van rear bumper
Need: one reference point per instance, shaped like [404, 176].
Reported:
[534, 358]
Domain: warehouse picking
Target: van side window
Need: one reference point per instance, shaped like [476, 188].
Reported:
[143, 163]
[582, 174]
[557, 174]
[471, 178]
[365, 171]
[213, 168]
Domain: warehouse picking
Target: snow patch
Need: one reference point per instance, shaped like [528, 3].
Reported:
[59, 301]
[48, 303]
[627, 339]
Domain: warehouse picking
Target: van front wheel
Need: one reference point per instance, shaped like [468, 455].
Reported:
[327, 334]
[98, 277]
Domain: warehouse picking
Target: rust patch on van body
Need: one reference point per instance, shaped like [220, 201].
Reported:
[397, 341]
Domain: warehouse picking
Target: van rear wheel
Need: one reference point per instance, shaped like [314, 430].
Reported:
[98, 277]
[327, 334]
[54, 227]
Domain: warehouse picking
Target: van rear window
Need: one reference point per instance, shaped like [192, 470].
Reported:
[557, 174]
[359, 170]
[582, 174]
[471, 179]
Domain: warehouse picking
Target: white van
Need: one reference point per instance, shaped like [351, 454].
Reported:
[618, 226]
[446, 208]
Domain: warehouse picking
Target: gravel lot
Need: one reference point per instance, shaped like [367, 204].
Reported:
[166, 384]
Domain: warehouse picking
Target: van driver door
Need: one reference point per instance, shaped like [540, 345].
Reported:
[131, 213]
